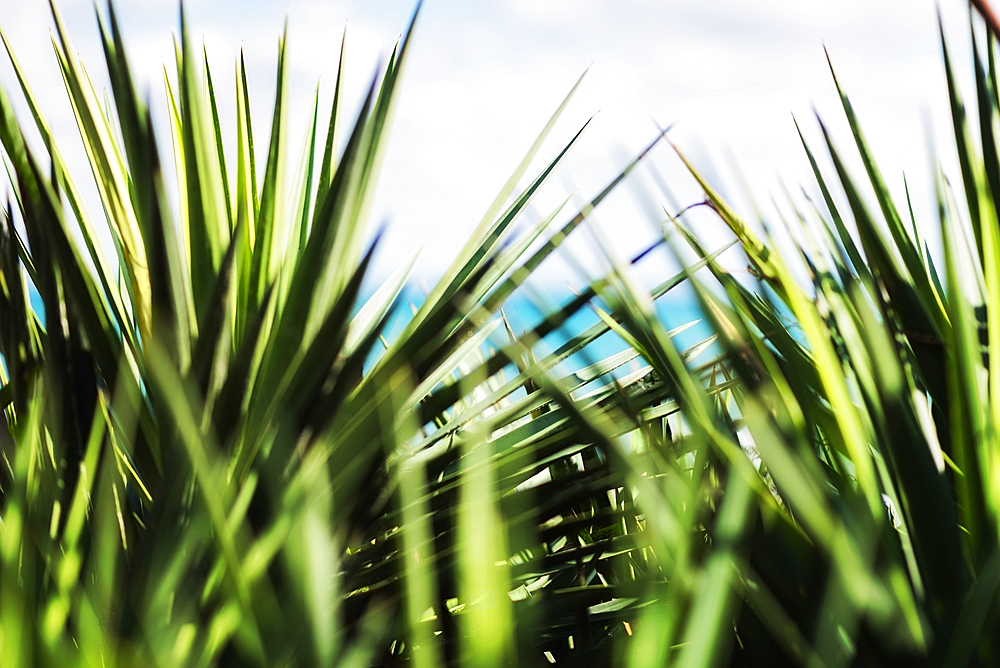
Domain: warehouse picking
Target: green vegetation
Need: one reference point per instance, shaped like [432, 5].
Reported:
[214, 456]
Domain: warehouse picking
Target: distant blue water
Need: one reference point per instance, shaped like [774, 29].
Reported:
[36, 301]
[676, 308]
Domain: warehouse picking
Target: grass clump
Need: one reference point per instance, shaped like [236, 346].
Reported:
[214, 456]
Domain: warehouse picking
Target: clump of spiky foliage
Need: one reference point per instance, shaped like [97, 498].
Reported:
[203, 464]
[872, 395]
[209, 459]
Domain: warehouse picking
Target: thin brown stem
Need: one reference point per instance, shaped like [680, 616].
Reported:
[984, 9]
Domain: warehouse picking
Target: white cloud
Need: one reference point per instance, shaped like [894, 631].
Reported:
[484, 77]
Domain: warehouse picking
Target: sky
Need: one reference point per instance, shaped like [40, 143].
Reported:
[483, 78]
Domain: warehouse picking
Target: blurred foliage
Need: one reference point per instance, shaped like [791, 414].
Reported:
[214, 455]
